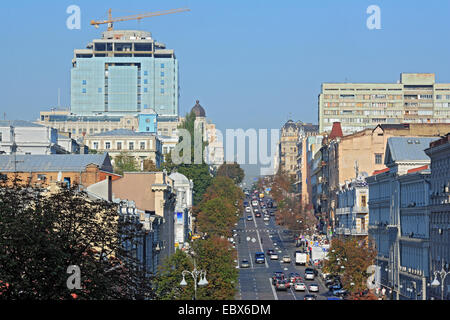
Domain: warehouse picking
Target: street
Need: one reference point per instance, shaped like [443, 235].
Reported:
[255, 282]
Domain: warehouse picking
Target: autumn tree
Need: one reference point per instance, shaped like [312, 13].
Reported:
[350, 258]
[150, 166]
[124, 162]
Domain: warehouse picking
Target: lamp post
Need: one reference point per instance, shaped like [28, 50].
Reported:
[195, 274]
[443, 274]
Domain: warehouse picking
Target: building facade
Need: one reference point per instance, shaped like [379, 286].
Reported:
[124, 73]
[416, 98]
[439, 153]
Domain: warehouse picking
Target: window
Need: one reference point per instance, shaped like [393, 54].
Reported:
[107, 145]
[99, 90]
[131, 146]
[84, 82]
[162, 90]
[119, 145]
[363, 201]
[145, 73]
[162, 73]
[145, 81]
[162, 82]
[95, 144]
[145, 90]
[83, 90]
[378, 158]
[162, 65]
[142, 145]
[0, 136]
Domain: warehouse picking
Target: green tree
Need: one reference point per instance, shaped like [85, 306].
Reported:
[124, 162]
[232, 171]
[150, 166]
[43, 233]
[216, 217]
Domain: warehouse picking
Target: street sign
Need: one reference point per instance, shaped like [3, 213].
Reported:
[253, 240]
[248, 238]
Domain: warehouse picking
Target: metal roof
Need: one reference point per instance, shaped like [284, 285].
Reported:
[407, 148]
[54, 162]
[18, 123]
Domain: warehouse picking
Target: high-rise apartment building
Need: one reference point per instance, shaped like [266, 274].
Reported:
[124, 73]
[416, 98]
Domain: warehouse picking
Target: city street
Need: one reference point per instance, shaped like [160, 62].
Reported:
[255, 282]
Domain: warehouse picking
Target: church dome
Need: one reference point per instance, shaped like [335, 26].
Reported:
[198, 110]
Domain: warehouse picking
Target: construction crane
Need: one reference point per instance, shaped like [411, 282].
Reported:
[138, 17]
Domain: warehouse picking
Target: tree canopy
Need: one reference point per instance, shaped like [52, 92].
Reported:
[232, 171]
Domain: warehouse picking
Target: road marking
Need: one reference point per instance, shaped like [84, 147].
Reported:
[295, 298]
[273, 289]
[249, 254]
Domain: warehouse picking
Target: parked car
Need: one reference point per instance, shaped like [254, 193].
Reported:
[286, 259]
[314, 287]
[309, 297]
[245, 264]
[299, 286]
[339, 292]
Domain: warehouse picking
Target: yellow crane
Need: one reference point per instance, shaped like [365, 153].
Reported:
[111, 20]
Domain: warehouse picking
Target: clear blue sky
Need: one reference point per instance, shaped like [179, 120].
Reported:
[252, 64]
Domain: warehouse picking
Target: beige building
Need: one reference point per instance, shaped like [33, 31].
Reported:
[416, 98]
[288, 149]
[141, 145]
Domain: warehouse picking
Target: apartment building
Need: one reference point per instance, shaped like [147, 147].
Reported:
[416, 98]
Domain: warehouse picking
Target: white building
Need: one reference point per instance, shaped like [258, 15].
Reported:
[24, 137]
[183, 208]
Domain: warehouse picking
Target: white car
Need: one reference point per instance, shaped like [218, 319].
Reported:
[314, 287]
[286, 259]
[266, 218]
[247, 209]
[274, 256]
[299, 286]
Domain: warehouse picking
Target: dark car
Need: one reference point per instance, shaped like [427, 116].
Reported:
[335, 286]
[270, 251]
[277, 276]
[258, 215]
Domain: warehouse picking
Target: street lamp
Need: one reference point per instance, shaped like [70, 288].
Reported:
[443, 274]
[195, 274]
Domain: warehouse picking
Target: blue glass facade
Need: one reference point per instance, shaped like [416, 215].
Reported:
[147, 122]
[124, 85]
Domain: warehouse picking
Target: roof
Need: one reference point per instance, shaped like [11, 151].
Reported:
[198, 110]
[121, 132]
[179, 178]
[407, 149]
[54, 162]
[422, 168]
[18, 123]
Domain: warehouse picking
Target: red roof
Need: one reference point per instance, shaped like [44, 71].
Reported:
[336, 131]
[380, 171]
[418, 169]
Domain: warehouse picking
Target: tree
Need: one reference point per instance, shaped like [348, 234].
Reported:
[43, 233]
[150, 166]
[214, 256]
[232, 171]
[124, 162]
[216, 217]
[350, 259]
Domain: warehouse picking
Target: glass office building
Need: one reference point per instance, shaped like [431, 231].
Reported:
[124, 73]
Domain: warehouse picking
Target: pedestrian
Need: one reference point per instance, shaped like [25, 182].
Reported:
[383, 292]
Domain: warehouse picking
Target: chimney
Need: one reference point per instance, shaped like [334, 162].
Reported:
[336, 131]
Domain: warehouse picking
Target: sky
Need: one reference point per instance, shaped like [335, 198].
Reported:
[251, 63]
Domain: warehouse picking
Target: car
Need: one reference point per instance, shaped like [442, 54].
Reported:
[259, 257]
[326, 276]
[272, 213]
[286, 259]
[335, 286]
[266, 218]
[294, 277]
[281, 285]
[299, 286]
[274, 256]
[309, 297]
[309, 274]
[247, 209]
[277, 278]
[270, 251]
[339, 293]
[258, 215]
[314, 287]
[256, 210]
[249, 218]
[245, 264]
[277, 274]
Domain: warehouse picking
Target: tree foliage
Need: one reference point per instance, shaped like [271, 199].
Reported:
[124, 162]
[350, 259]
[43, 233]
[232, 171]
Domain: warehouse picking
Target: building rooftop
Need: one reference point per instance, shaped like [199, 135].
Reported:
[122, 132]
[54, 162]
[407, 148]
[18, 123]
